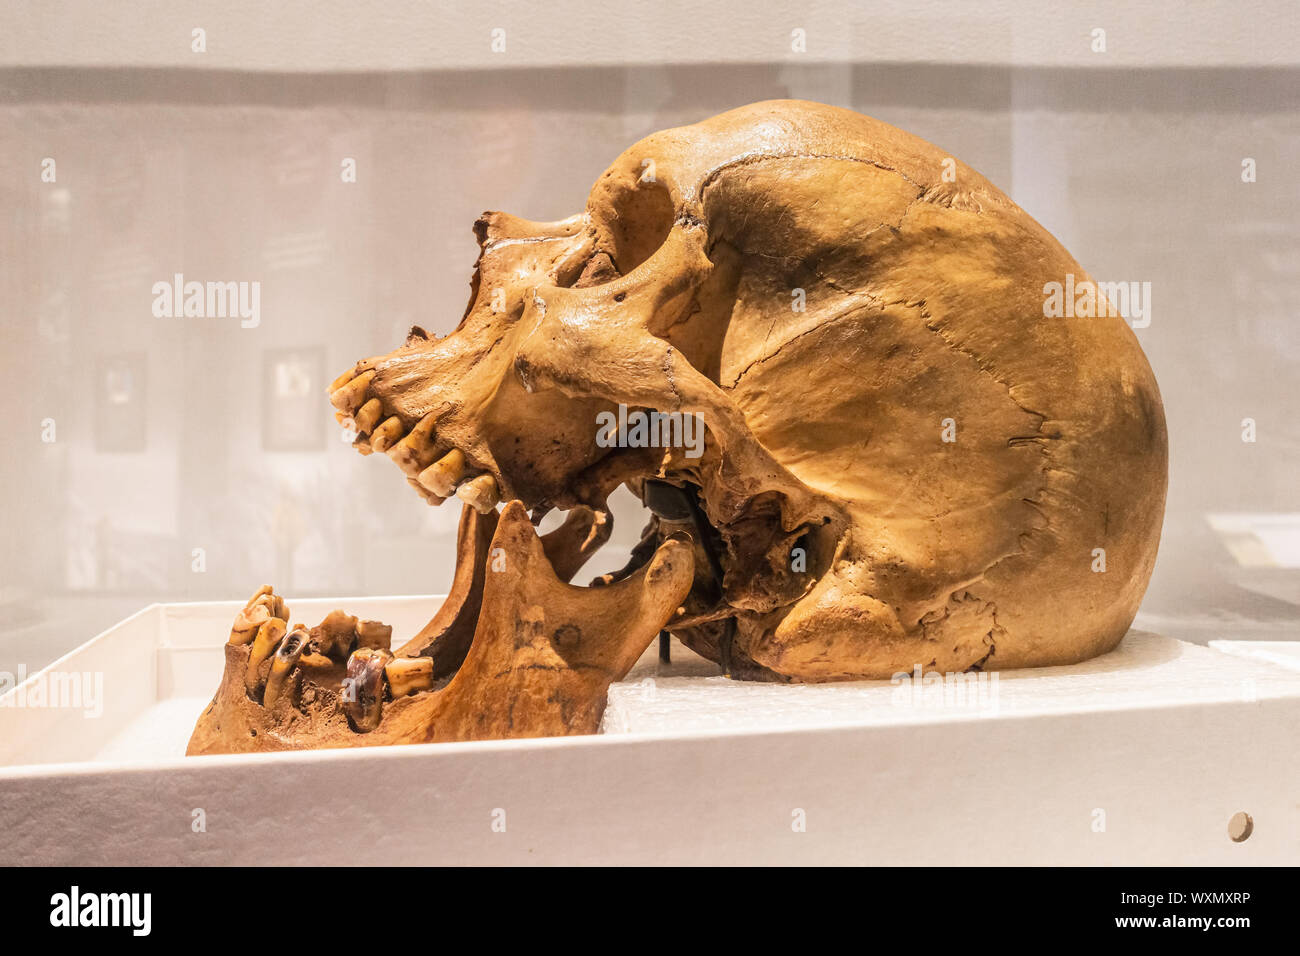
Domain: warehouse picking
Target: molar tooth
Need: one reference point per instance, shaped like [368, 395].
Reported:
[441, 477]
[268, 639]
[335, 634]
[315, 661]
[286, 656]
[363, 688]
[480, 493]
[374, 635]
[365, 419]
[406, 675]
[413, 452]
[348, 397]
[386, 435]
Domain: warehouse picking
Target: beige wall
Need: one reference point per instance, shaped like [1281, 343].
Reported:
[365, 35]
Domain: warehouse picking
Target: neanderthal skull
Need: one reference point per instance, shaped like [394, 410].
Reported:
[904, 463]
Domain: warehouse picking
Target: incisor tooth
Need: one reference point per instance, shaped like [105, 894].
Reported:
[262, 591]
[407, 675]
[365, 419]
[347, 397]
[386, 435]
[247, 622]
[268, 639]
[441, 477]
[286, 656]
[480, 493]
[342, 380]
[272, 602]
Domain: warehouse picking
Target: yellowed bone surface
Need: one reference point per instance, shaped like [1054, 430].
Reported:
[903, 460]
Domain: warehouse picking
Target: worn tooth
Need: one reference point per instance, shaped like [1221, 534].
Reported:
[425, 493]
[480, 493]
[374, 635]
[406, 675]
[368, 416]
[264, 590]
[286, 656]
[247, 623]
[315, 661]
[273, 603]
[342, 380]
[335, 635]
[413, 452]
[444, 474]
[349, 396]
[386, 435]
[268, 639]
[363, 688]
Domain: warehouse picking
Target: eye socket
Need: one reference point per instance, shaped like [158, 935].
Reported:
[630, 220]
[631, 226]
[644, 219]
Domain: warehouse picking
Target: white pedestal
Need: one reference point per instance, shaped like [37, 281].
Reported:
[1141, 756]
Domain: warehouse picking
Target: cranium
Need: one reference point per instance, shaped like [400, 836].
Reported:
[904, 462]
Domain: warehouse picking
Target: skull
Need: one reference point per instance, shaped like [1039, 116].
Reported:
[816, 347]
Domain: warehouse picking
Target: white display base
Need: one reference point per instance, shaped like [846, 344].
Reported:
[1141, 756]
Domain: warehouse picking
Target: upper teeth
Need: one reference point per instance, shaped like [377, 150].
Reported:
[444, 474]
[447, 476]
[347, 397]
[387, 434]
[481, 493]
[368, 417]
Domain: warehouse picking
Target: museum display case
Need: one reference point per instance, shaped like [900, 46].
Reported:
[816, 435]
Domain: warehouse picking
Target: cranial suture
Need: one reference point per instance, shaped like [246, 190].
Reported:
[809, 286]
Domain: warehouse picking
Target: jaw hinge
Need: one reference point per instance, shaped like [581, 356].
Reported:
[675, 505]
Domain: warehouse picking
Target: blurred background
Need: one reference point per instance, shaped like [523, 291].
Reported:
[179, 459]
